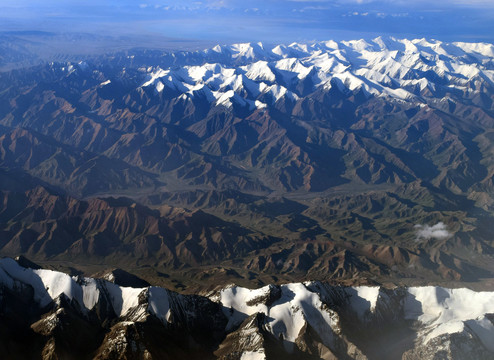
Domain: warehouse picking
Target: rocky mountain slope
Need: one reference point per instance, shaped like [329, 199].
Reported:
[202, 249]
[304, 161]
[41, 223]
[287, 118]
[81, 318]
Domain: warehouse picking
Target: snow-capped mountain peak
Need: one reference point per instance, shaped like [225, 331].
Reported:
[290, 316]
[402, 69]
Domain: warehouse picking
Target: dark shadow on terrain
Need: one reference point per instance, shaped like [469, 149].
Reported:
[382, 334]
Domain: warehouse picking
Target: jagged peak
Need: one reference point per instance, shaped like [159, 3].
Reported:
[286, 314]
[356, 64]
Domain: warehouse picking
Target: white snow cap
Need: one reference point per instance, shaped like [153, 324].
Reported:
[401, 69]
[439, 310]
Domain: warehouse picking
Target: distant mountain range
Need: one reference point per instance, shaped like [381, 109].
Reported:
[256, 164]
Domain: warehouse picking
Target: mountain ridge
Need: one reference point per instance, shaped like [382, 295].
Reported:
[305, 320]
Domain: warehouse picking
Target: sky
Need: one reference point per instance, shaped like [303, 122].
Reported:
[270, 21]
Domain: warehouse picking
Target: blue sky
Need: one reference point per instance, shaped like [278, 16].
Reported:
[271, 21]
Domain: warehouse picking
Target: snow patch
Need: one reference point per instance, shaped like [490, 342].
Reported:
[158, 303]
[123, 298]
[253, 355]
[369, 293]
[90, 293]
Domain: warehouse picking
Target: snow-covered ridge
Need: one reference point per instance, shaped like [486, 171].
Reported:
[439, 311]
[408, 70]
[289, 312]
[49, 286]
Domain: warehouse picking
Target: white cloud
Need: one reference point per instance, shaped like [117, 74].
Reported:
[412, 3]
[437, 2]
[309, 8]
[217, 4]
[438, 231]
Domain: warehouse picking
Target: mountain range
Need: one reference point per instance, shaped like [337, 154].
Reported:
[361, 162]
[93, 318]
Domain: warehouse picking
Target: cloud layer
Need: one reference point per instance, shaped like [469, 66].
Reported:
[270, 21]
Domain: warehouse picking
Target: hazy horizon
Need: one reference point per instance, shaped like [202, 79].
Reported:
[227, 21]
